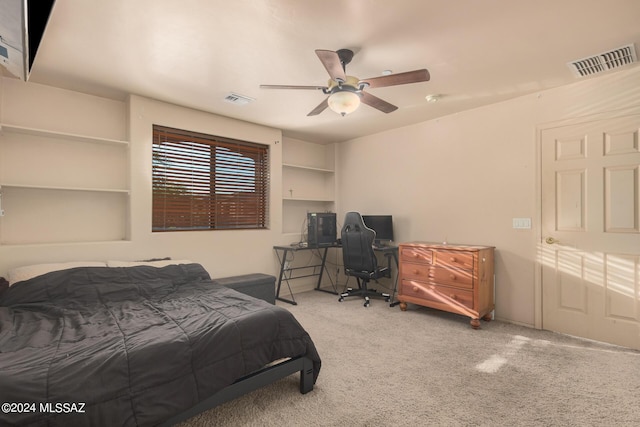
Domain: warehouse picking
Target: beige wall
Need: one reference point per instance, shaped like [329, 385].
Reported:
[464, 177]
[461, 178]
[223, 253]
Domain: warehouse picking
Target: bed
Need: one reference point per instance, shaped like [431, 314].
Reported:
[138, 346]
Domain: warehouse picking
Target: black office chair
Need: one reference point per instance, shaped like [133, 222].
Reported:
[359, 258]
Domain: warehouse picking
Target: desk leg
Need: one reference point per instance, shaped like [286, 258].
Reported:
[324, 261]
[283, 261]
[395, 285]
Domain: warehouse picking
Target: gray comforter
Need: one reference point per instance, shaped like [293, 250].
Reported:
[131, 346]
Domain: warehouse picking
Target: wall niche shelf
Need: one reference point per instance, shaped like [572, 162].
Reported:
[307, 199]
[309, 168]
[49, 187]
[61, 187]
[4, 127]
[308, 182]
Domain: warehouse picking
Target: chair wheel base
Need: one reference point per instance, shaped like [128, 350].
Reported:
[365, 293]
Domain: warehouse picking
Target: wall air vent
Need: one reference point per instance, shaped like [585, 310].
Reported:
[236, 99]
[605, 61]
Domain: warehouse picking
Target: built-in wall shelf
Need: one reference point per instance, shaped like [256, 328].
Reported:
[309, 168]
[308, 183]
[40, 214]
[123, 242]
[65, 243]
[307, 199]
[62, 187]
[4, 127]
[54, 188]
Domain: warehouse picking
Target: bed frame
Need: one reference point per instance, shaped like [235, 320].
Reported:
[252, 382]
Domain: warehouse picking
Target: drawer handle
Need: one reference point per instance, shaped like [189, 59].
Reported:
[453, 296]
[416, 255]
[453, 259]
[452, 277]
[416, 272]
[415, 289]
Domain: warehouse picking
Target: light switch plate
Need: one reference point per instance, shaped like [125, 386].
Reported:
[522, 223]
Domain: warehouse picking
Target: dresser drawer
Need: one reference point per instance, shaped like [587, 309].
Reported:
[456, 259]
[437, 293]
[416, 271]
[453, 277]
[428, 273]
[416, 254]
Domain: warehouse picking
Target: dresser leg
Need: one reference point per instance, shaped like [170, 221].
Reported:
[487, 317]
[403, 306]
[475, 323]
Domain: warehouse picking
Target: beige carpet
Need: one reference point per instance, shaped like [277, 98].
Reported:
[422, 367]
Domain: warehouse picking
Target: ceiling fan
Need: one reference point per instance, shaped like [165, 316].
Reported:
[347, 92]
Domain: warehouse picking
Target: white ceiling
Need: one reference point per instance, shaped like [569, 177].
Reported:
[195, 52]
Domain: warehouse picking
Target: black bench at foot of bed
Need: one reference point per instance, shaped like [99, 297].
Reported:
[257, 285]
[252, 382]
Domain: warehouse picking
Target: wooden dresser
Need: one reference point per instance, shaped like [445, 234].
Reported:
[454, 278]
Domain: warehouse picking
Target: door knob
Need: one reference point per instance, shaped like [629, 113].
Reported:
[551, 240]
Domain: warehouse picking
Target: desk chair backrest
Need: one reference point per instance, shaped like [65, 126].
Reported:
[357, 246]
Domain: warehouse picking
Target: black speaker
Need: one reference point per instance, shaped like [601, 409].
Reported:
[321, 229]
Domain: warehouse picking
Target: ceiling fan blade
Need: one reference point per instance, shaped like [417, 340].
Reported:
[332, 63]
[377, 103]
[320, 108]
[398, 79]
[292, 87]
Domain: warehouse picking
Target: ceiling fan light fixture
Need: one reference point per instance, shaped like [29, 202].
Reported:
[344, 102]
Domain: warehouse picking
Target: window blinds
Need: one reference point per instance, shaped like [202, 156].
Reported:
[204, 182]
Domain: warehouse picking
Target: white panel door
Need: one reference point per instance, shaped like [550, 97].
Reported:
[590, 248]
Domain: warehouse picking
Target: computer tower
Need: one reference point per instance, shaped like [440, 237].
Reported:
[321, 229]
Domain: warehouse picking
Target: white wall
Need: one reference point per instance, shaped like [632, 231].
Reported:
[462, 178]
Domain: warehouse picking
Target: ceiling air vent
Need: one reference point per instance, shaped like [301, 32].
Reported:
[234, 98]
[605, 61]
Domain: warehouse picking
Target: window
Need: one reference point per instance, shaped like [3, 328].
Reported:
[204, 182]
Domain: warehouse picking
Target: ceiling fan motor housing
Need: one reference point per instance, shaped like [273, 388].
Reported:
[350, 85]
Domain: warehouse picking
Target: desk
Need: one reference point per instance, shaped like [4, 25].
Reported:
[318, 269]
[312, 270]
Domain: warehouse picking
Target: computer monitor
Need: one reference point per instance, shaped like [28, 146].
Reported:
[321, 229]
[382, 225]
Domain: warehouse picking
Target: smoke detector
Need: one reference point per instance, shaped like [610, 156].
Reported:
[604, 61]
